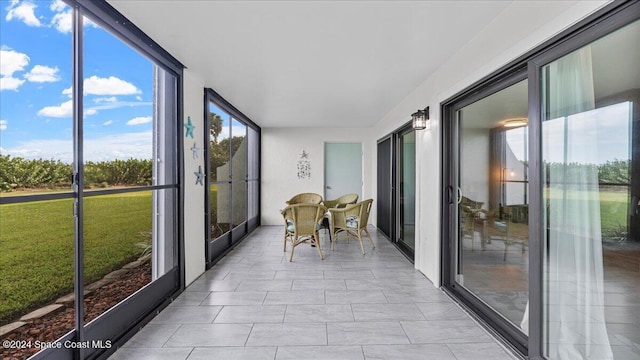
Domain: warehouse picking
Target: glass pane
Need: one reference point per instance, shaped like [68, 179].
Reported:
[239, 196]
[37, 265]
[117, 248]
[128, 140]
[36, 157]
[591, 163]
[219, 209]
[493, 219]
[254, 199]
[253, 154]
[239, 173]
[239, 150]
[36, 152]
[118, 114]
[408, 189]
[219, 128]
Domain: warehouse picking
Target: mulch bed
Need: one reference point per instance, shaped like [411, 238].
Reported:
[53, 326]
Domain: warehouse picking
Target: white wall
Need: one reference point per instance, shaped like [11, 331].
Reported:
[193, 193]
[281, 149]
[521, 26]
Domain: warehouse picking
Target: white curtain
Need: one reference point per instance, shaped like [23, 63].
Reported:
[574, 285]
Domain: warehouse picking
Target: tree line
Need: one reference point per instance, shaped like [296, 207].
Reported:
[17, 173]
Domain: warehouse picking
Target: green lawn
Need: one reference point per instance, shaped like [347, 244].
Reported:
[614, 205]
[37, 257]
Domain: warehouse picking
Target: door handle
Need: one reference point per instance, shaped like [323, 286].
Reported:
[459, 195]
[328, 187]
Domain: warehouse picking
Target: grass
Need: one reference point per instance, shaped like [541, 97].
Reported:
[37, 241]
[613, 208]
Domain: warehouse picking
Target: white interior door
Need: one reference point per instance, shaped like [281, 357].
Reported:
[342, 169]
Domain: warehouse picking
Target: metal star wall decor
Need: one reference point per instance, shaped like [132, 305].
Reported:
[304, 155]
[199, 176]
[190, 127]
[195, 149]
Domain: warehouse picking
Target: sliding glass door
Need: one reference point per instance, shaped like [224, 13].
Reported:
[541, 200]
[396, 205]
[406, 211]
[233, 168]
[489, 204]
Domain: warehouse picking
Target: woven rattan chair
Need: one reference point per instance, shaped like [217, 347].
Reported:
[305, 198]
[342, 201]
[301, 225]
[352, 220]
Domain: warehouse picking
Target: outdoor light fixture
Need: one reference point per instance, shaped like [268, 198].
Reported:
[515, 122]
[420, 119]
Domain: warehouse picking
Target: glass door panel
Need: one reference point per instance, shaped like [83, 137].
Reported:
[239, 172]
[407, 195]
[492, 240]
[118, 152]
[591, 195]
[219, 172]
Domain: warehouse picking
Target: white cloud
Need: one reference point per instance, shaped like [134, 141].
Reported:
[23, 11]
[12, 61]
[58, 5]
[115, 105]
[63, 110]
[62, 22]
[140, 120]
[108, 122]
[10, 83]
[139, 98]
[3, 125]
[137, 145]
[105, 99]
[106, 86]
[41, 73]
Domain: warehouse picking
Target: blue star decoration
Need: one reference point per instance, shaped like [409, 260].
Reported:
[199, 176]
[195, 150]
[189, 127]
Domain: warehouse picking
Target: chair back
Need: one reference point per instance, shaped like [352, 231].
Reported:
[305, 217]
[342, 201]
[305, 198]
[365, 210]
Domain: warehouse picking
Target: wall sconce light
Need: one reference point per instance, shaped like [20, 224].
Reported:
[420, 119]
[515, 122]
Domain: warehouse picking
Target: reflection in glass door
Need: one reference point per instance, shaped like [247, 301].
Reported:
[407, 190]
[492, 232]
[590, 200]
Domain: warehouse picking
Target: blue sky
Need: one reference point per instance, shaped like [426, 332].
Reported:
[35, 87]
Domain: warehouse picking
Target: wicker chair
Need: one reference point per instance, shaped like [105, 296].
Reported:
[301, 223]
[352, 220]
[342, 201]
[305, 198]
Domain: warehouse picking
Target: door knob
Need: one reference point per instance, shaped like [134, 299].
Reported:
[328, 187]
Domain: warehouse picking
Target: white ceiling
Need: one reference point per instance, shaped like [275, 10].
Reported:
[312, 63]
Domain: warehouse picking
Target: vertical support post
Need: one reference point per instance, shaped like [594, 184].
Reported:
[78, 177]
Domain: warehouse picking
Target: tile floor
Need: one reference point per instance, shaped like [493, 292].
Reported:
[255, 304]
